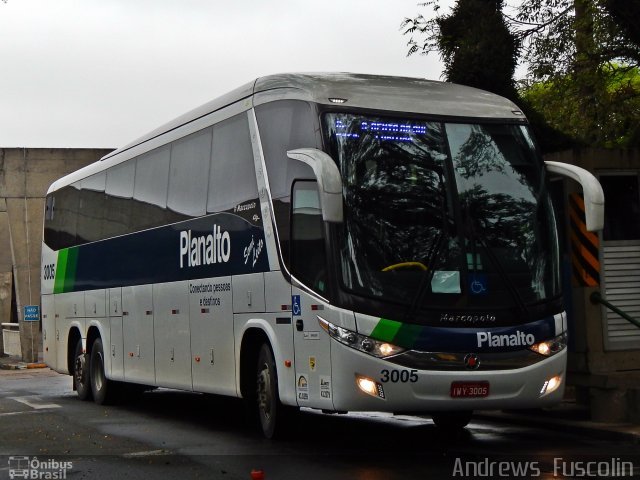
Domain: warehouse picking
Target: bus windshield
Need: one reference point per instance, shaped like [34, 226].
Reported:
[443, 213]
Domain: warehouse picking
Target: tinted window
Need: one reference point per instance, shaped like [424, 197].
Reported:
[119, 192]
[164, 186]
[190, 159]
[152, 175]
[286, 125]
[60, 229]
[91, 208]
[308, 258]
[232, 179]
[150, 189]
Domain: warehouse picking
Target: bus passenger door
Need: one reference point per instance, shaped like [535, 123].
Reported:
[138, 335]
[69, 308]
[309, 266]
[211, 326]
[49, 330]
[114, 309]
[171, 335]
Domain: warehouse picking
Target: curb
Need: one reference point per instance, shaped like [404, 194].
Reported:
[36, 365]
[612, 432]
[21, 366]
[11, 366]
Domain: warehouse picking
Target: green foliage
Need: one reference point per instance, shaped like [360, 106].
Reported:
[625, 15]
[618, 104]
[477, 47]
[582, 58]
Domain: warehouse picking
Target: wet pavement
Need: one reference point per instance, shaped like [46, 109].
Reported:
[568, 415]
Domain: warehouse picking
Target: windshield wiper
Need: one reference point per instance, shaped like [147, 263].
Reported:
[515, 294]
[425, 278]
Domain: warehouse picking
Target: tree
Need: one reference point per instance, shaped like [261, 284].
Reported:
[560, 34]
[625, 14]
[478, 49]
[620, 125]
[582, 51]
[585, 53]
[481, 54]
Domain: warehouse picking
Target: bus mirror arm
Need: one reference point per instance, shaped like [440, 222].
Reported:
[329, 181]
[591, 188]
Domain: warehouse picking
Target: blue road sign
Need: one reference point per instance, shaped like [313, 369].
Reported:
[32, 313]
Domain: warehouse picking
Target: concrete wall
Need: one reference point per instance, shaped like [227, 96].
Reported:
[25, 176]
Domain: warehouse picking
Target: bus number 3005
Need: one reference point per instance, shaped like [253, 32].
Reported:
[401, 376]
[49, 271]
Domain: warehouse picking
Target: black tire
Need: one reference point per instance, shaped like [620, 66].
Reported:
[103, 389]
[273, 416]
[452, 421]
[80, 373]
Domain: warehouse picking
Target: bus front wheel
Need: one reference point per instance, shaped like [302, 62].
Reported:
[81, 372]
[271, 413]
[102, 388]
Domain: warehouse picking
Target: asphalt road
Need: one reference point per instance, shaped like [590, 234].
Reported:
[162, 434]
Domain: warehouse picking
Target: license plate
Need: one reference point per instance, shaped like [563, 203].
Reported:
[469, 389]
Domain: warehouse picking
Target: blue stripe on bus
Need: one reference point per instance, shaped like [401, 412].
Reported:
[225, 244]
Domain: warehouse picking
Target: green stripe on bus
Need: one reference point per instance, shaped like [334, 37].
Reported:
[386, 330]
[66, 270]
[61, 270]
[401, 334]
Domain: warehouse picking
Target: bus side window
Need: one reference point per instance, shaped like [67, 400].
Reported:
[308, 255]
[91, 208]
[150, 189]
[119, 197]
[60, 229]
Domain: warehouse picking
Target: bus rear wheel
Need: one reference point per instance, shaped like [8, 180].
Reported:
[103, 389]
[452, 421]
[81, 372]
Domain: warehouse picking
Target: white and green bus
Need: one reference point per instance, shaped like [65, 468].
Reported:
[333, 241]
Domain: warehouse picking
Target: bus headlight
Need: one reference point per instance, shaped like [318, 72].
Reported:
[359, 342]
[549, 348]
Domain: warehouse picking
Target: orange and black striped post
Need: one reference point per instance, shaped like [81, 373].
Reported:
[584, 246]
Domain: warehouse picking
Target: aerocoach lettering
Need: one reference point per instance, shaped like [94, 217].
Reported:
[518, 339]
[446, 317]
[204, 250]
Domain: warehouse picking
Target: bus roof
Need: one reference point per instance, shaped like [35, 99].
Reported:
[399, 94]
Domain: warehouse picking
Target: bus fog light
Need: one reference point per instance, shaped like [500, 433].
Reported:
[369, 386]
[551, 385]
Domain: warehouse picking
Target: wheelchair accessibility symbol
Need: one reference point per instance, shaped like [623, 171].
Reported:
[478, 284]
[295, 305]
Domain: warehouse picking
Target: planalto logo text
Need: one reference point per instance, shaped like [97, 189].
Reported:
[517, 339]
[206, 249]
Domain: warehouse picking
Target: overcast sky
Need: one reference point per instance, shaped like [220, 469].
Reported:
[99, 73]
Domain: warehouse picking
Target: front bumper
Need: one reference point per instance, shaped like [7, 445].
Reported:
[420, 390]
